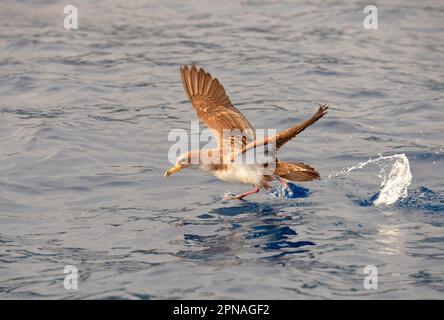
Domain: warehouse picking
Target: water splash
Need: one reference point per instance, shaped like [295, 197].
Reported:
[394, 185]
[290, 191]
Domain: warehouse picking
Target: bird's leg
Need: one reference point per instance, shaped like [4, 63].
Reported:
[243, 195]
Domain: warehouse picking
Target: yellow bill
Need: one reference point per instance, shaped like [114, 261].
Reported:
[173, 170]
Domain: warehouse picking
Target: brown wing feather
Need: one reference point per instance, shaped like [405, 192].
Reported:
[286, 135]
[212, 104]
[296, 171]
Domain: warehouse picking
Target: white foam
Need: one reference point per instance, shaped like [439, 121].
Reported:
[394, 186]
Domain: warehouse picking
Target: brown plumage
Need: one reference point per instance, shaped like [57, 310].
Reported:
[212, 104]
[298, 172]
[286, 135]
[215, 109]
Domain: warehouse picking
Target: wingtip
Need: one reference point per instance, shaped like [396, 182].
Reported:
[323, 108]
[191, 68]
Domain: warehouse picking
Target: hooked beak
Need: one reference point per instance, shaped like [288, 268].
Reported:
[173, 170]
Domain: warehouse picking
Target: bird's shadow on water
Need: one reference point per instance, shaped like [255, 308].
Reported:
[263, 229]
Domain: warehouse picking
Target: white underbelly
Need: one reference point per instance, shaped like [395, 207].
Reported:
[240, 173]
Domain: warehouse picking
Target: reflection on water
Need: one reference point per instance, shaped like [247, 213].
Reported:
[259, 226]
[391, 239]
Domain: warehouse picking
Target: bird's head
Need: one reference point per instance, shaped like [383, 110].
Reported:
[188, 159]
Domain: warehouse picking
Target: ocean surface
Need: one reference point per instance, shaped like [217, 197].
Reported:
[84, 121]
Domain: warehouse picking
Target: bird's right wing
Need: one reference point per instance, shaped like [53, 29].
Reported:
[214, 108]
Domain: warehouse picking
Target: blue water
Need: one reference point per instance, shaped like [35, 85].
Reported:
[85, 116]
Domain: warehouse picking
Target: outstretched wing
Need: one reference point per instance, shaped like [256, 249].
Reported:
[288, 134]
[214, 108]
[284, 136]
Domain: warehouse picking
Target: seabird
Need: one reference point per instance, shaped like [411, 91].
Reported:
[214, 108]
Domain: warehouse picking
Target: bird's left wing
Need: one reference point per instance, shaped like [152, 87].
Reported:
[283, 137]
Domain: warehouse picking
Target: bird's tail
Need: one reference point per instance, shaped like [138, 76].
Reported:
[295, 171]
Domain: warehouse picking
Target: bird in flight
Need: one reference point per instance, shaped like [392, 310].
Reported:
[236, 139]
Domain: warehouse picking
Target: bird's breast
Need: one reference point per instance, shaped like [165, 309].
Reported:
[241, 173]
